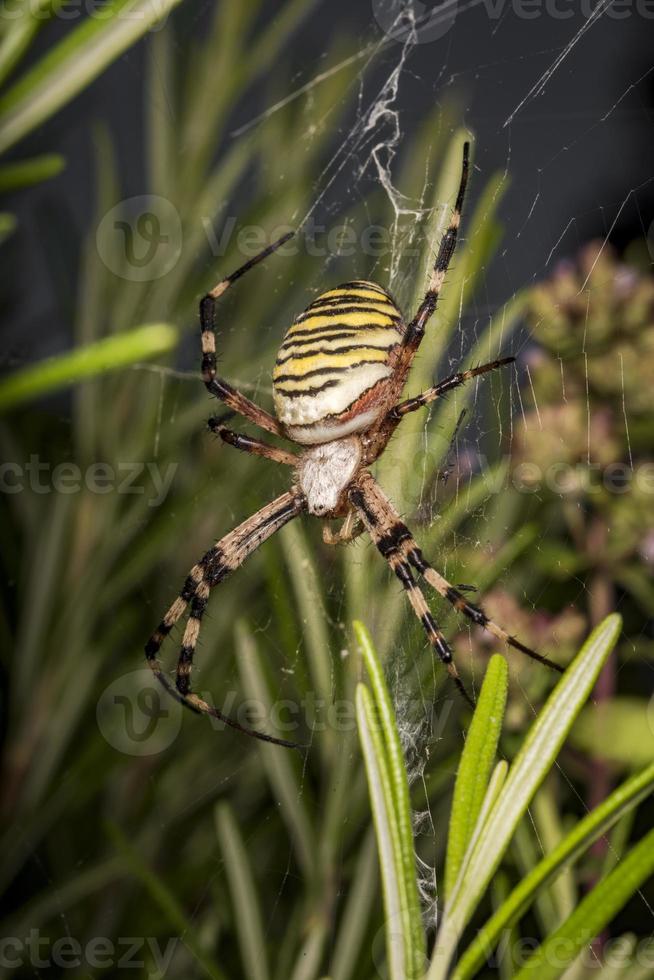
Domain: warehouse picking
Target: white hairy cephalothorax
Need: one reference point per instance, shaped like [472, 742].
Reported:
[325, 471]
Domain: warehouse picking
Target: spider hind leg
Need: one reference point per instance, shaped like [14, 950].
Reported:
[391, 535]
[388, 537]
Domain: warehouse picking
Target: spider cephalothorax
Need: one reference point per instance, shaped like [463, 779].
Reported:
[337, 385]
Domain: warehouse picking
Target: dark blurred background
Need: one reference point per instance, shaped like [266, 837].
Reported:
[579, 152]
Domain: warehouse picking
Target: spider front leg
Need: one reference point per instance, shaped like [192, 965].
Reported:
[217, 386]
[249, 445]
[226, 556]
[397, 413]
[415, 331]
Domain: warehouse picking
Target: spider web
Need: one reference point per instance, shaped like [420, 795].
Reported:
[545, 218]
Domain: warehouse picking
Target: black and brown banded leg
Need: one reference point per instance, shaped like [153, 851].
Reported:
[379, 509]
[456, 597]
[397, 413]
[388, 536]
[249, 445]
[415, 331]
[218, 386]
[226, 556]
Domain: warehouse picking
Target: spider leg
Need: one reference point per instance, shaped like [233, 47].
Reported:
[249, 445]
[415, 331]
[386, 530]
[226, 556]
[350, 529]
[378, 507]
[397, 413]
[217, 386]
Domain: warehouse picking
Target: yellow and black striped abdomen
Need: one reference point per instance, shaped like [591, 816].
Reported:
[334, 360]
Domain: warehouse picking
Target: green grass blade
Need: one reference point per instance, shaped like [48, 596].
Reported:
[24, 173]
[356, 913]
[309, 597]
[69, 67]
[7, 225]
[477, 761]
[166, 901]
[280, 766]
[596, 823]
[529, 768]
[398, 926]
[398, 803]
[619, 731]
[20, 33]
[108, 354]
[550, 832]
[495, 784]
[592, 914]
[247, 916]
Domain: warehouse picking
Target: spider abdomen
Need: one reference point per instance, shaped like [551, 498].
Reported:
[335, 361]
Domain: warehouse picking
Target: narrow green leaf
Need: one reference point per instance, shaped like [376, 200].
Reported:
[593, 913]
[593, 825]
[247, 919]
[529, 768]
[477, 761]
[166, 901]
[309, 598]
[495, 784]
[546, 815]
[18, 36]
[363, 892]
[619, 730]
[70, 66]
[7, 225]
[24, 173]
[108, 354]
[398, 927]
[399, 789]
[280, 767]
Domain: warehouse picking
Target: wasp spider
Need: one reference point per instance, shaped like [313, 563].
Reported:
[337, 388]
